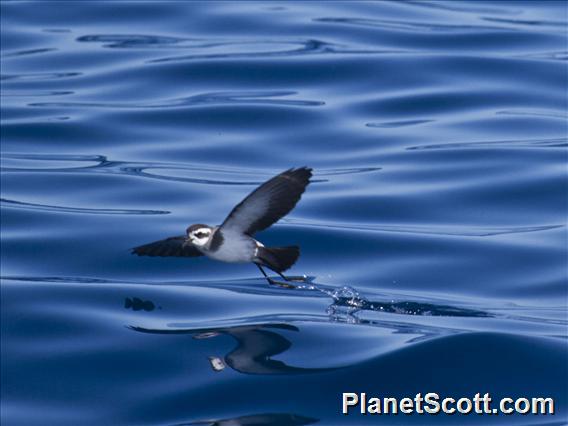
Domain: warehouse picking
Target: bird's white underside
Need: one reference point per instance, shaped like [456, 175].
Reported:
[236, 248]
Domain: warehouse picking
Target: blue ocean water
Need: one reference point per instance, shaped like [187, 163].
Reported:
[433, 235]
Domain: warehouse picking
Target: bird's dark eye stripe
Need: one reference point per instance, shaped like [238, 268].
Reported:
[200, 234]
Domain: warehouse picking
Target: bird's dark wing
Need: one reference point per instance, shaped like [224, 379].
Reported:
[173, 246]
[269, 202]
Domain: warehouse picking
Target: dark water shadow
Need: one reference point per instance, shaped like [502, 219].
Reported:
[137, 304]
[268, 419]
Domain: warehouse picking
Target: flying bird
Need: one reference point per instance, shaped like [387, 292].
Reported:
[233, 241]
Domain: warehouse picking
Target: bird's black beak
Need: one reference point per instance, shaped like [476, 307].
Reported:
[186, 243]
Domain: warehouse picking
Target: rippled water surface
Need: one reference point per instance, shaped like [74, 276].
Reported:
[433, 235]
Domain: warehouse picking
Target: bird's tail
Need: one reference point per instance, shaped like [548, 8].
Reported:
[278, 258]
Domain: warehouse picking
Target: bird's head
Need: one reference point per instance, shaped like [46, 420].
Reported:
[199, 234]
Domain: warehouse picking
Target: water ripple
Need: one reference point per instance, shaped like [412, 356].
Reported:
[131, 40]
[42, 76]
[403, 123]
[7, 93]
[28, 52]
[524, 22]
[226, 48]
[309, 47]
[457, 231]
[101, 164]
[528, 143]
[215, 98]
[409, 26]
[533, 114]
[105, 166]
[553, 56]
[474, 8]
[81, 210]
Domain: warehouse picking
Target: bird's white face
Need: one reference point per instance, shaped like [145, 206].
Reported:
[199, 236]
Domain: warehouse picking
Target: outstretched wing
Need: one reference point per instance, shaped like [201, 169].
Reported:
[173, 246]
[269, 202]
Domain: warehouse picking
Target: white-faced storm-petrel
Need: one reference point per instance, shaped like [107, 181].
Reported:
[233, 241]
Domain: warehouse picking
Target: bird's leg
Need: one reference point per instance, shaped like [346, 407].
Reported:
[273, 282]
[292, 279]
[264, 273]
[283, 276]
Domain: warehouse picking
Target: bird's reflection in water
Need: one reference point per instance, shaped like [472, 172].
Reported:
[256, 345]
[269, 419]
